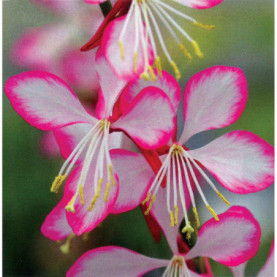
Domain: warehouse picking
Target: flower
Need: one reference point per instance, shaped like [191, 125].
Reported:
[231, 241]
[241, 161]
[47, 103]
[140, 26]
[267, 269]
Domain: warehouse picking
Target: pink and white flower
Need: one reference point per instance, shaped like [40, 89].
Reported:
[47, 103]
[140, 26]
[231, 241]
[241, 161]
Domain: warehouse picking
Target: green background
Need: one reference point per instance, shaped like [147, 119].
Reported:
[243, 37]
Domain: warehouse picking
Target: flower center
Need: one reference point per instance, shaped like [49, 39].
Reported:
[96, 144]
[177, 268]
[178, 164]
[146, 14]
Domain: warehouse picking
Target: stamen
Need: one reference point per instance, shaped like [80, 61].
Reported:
[150, 205]
[96, 195]
[158, 65]
[171, 219]
[176, 70]
[205, 26]
[121, 49]
[185, 51]
[188, 229]
[70, 206]
[111, 175]
[223, 198]
[65, 248]
[176, 215]
[57, 183]
[152, 74]
[145, 76]
[197, 49]
[81, 193]
[135, 62]
[147, 198]
[107, 192]
[196, 217]
[212, 212]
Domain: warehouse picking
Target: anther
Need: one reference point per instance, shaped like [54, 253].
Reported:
[205, 26]
[92, 203]
[152, 74]
[223, 198]
[197, 49]
[147, 198]
[121, 49]
[158, 65]
[65, 248]
[176, 215]
[185, 51]
[196, 217]
[135, 61]
[70, 206]
[212, 212]
[57, 183]
[150, 205]
[145, 76]
[111, 175]
[81, 193]
[176, 70]
[188, 229]
[171, 219]
[107, 192]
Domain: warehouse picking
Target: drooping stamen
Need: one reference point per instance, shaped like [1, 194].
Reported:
[197, 49]
[65, 248]
[57, 183]
[107, 192]
[96, 195]
[153, 199]
[205, 26]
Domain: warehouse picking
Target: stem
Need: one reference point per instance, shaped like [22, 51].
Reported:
[106, 7]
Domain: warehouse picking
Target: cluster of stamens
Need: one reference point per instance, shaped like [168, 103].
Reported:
[145, 13]
[179, 163]
[176, 268]
[96, 145]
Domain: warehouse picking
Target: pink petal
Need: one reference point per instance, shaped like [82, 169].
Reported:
[58, 6]
[111, 85]
[232, 240]
[124, 67]
[214, 98]
[268, 268]
[83, 220]
[49, 145]
[134, 176]
[94, 1]
[166, 83]
[44, 100]
[240, 160]
[149, 120]
[113, 261]
[200, 4]
[55, 226]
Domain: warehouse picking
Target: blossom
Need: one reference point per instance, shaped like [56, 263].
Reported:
[47, 103]
[140, 26]
[267, 269]
[240, 161]
[231, 241]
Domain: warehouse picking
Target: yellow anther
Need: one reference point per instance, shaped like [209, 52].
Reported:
[57, 183]
[135, 61]
[65, 248]
[111, 175]
[145, 76]
[185, 51]
[212, 212]
[81, 193]
[205, 26]
[70, 206]
[176, 70]
[196, 217]
[188, 229]
[223, 198]
[92, 203]
[147, 198]
[176, 215]
[150, 205]
[197, 49]
[107, 192]
[152, 74]
[158, 65]
[121, 49]
[171, 219]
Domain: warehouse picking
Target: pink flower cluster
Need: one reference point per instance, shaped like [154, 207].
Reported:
[124, 151]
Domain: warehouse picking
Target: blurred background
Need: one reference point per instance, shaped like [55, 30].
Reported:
[243, 38]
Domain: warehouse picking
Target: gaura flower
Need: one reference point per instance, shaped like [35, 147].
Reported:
[267, 269]
[129, 41]
[240, 161]
[47, 103]
[231, 241]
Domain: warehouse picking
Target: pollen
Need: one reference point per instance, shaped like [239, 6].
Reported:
[147, 198]
[152, 74]
[107, 192]
[111, 175]
[93, 201]
[145, 76]
[81, 193]
[176, 70]
[70, 206]
[121, 49]
[188, 229]
[185, 51]
[223, 198]
[197, 49]
[171, 219]
[176, 215]
[135, 61]
[212, 212]
[205, 26]
[150, 205]
[65, 248]
[196, 217]
[57, 183]
[158, 65]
